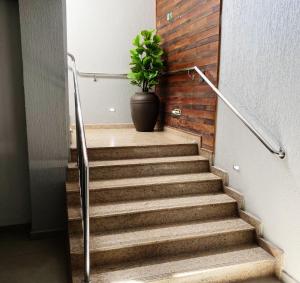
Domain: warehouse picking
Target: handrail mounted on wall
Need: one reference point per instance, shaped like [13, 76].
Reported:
[278, 150]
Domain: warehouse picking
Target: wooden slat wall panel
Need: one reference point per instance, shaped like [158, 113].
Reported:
[191, 38]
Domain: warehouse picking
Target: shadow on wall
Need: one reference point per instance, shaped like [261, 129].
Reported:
[14, 178]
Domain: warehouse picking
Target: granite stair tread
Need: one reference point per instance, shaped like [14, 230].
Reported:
[226, 265]
[146, 181]
[115, 241]
[156, 160]
[157, 214]
[113, 209]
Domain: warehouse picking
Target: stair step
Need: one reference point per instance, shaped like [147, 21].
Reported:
[147, 188]
[127, 215]
[163, 241]
[130, 168]
[263, 279]
[229, 265]
[133, 152]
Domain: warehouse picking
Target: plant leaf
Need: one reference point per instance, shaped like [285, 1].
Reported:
[147, 34]
[156, 39]
[140, 50]
[146, 62]
[136, 41]
[133, 52]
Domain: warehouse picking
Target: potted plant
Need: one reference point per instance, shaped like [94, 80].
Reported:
[146, 66]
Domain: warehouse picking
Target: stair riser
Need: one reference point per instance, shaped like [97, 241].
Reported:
[142, 170]
[236, 272]
[148, 192]
[167, 248]
[228, 274]
[160, 217]
[117, 153]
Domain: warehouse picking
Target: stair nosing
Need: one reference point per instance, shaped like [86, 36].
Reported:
[100, 187]
[169, 238]
[189, 237]
[257, 251]
[141, 161]
[247, 249]
[229, 200]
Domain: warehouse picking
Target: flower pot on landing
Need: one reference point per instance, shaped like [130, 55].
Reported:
[144, 110]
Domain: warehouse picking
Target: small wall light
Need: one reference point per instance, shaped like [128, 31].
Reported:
[236, 167]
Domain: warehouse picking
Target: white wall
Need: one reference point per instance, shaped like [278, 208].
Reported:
[100, 35]
[260, 71]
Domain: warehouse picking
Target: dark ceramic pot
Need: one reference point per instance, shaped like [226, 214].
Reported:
[144, 110]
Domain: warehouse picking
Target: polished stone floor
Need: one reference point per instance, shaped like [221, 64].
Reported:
[23, 260]
[129, 137]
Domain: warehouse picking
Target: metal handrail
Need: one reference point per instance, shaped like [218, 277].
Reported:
[278, 150]
[179, 70]
[83, 166]
[102, 75]
[189, 70]
[96, 75]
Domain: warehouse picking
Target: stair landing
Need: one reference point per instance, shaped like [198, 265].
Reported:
[129, 137]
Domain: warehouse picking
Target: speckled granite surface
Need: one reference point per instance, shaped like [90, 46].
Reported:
[160, 215]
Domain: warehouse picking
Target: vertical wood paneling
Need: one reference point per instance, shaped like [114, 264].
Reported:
[191, 38]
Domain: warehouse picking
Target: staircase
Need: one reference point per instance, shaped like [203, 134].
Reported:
[159, 215]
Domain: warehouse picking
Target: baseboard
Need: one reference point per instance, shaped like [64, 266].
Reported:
[235, 195]
[208, 154]
[42, 234]
[183, 133]
[16, 228]
[221, 173]
[286, 278]
[107, 126]
[194, 138]
[252, 220]
[276, 252]
[187, 135]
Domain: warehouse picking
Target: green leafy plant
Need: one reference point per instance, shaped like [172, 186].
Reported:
[146, 60]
